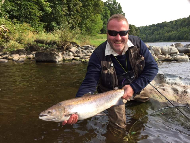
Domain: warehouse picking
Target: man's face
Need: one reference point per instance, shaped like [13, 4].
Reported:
[117, 42]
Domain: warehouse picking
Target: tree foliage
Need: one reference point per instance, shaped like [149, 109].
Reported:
[177, 30]
[91, 22]
[86, 16]
[56, 14]
[110, 7]
[133, 30]
[24, 11]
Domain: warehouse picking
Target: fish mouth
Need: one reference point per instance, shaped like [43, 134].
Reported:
[42, 116]
[47, 118]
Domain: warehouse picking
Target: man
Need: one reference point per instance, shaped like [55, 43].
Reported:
[122, 61]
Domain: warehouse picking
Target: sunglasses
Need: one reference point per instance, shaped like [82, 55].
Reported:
[114, 33]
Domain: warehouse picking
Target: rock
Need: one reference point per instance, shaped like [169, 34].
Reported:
[76, 58]
[67, 56]
[21, 59]
[30, 56]
[161, 57]
[48, 57]
[5, 56]
[156, 50]
[184, 50]
[88, 47]
[80, 55]
[70, 54]
[182, 58]
[15, 57]
[169, 50]
[88, 54]
[178, 45]
[85, 57]
[73, 49]
[3, 60]
[177, 94]
[187, 46]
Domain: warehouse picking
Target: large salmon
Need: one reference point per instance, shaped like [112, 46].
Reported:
[85, 106]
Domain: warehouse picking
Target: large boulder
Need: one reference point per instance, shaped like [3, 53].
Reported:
[184, 50]
[187, 46]
[168, 50]
[181, 58]
[48, 56]
[155, 50]
[178, 45]
[177, 94]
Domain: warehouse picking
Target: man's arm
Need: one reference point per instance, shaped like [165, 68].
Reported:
[89, 84]
[91, 79]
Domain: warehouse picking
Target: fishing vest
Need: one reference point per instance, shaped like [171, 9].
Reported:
[109, 79]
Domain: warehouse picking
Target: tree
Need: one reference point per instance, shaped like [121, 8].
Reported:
[26, 11]
[110, 7]
[133, 30]
[105, 16]
[177, 30]
[114, 7]
[90, 14]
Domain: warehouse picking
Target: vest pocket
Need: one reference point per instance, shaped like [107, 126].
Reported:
[108, 76]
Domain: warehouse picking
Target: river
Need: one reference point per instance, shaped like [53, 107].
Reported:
[28, 88]
[165, 43]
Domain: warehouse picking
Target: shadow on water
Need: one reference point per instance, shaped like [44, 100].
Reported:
[28, 88]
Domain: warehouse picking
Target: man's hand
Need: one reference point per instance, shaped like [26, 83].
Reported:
[128, 92]
[72, 120]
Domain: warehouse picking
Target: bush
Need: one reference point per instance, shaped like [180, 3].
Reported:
[12, 46]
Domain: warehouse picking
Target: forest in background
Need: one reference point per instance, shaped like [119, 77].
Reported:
[24, 22]
[177, 30]
[88, 16]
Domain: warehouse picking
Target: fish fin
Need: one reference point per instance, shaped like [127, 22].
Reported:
[67, 115]
[101, 114]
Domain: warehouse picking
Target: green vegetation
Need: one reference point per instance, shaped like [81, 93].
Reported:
[14, 35]
[98, 39]
[45, 22]
[177, 30]
[89, 16]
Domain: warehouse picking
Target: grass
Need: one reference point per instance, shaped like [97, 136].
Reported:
[15, 35]
[98, 39]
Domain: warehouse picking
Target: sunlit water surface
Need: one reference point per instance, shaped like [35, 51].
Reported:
[26, 89]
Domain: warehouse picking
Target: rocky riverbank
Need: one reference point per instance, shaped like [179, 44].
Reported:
[73, 52]
[176, 52]
[178, 94]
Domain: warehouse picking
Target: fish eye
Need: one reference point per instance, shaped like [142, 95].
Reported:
[49, 112]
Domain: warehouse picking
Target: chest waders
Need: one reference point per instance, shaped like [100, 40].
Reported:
[109, 79]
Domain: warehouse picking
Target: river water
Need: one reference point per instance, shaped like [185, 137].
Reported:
[165, 43]
[28, 88]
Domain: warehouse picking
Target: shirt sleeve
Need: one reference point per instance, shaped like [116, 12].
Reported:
[91, 79]
[149, 72]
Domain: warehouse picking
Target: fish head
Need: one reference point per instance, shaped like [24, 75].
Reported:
[55, 113]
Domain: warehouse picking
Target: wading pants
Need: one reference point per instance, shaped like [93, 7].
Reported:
[117, 117]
